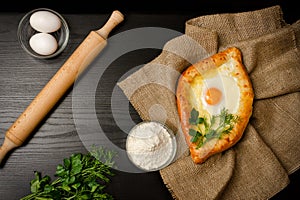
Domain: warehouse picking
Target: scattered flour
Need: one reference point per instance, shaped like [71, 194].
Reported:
[150, 146]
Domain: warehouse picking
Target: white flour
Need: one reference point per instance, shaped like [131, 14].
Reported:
[150, 146]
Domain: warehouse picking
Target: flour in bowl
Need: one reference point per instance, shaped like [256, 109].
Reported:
[151, 146]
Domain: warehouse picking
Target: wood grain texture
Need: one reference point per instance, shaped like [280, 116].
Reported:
[22, 77]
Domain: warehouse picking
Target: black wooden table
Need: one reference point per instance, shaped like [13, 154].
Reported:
[22, 77]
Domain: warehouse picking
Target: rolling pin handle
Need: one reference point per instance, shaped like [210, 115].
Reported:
[115, 18]
[7, 146]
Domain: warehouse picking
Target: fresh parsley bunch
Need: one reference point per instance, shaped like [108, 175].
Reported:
[80, 177]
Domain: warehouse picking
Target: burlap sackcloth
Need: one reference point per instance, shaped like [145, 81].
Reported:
[257, 167]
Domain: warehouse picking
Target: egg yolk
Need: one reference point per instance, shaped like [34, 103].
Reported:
[213, 96]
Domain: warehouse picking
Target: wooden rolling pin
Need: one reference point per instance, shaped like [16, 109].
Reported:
[65, 77]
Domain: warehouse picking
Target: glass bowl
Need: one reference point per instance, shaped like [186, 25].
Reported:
[25, 32]
[151, 146]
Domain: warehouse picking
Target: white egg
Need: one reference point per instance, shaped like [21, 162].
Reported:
[45, 21]
[43, 43]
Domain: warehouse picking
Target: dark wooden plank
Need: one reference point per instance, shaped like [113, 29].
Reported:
[156, 6]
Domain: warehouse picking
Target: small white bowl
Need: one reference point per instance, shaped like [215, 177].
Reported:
[151, 146]
[25, 32]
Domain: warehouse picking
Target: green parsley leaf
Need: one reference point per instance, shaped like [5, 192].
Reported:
[194, 117]
[192, 132]
[81, 176]
[213, 128]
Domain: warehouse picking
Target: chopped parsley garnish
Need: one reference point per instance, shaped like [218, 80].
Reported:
[202, 129]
